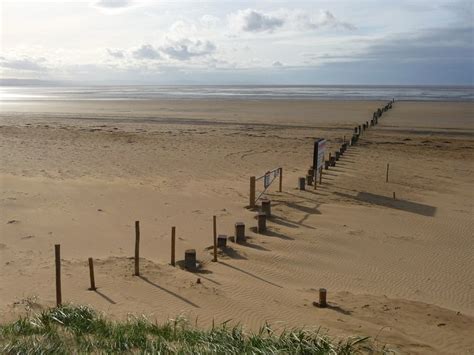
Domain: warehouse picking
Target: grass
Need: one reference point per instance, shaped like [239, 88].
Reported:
[79, 329]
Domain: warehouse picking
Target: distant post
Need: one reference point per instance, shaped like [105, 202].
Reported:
[281, 179]
[173, 245]
[137, 248]
[386, 175]
[215, 238]
[252, 192]
[57, 259]
[91, 273]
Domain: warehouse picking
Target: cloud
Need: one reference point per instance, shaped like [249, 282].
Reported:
[113, 4]
[325, 19]
[146, 51]
[254, 21]
[119, 54]
[28, 64]
[250, 20]
[185, 49]
[277, 64]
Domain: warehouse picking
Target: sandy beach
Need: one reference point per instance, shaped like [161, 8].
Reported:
[80, 173]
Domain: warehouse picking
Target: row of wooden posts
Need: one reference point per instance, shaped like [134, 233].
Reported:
[220, 241]
[331, 162]
[190, 260]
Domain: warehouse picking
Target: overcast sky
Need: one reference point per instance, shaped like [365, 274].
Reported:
[239, 42]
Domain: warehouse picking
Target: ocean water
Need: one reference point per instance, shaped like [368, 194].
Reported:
[150, 92]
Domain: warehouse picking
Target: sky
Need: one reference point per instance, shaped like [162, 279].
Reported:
[352, 42]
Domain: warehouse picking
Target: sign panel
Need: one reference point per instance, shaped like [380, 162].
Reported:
[270, 176]
[318, 155]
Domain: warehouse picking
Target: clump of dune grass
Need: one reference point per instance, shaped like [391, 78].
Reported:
[79, 329]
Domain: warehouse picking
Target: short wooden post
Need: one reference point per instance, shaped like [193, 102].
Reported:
[394, 197]
[281, 179]
[301, 183]
[57, 259]
[222, 241]
[215, 238]
[262, 222]
[386, 176]
[173, 246]
[252, 192]
[91, 274]
[322, 298]
[267, 207]
[240, 232]
[190, 259]
[309, 179]
[137, 248]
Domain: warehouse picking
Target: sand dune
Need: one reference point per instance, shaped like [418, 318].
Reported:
[397, 270]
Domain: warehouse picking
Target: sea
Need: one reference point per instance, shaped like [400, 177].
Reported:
[253, 92]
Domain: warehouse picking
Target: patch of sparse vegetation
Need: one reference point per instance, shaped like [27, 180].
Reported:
[79, 329]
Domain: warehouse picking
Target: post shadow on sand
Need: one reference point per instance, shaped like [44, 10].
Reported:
[231, 253]
[334, 307]
[403, 205]
[105, 297]
[249, 274]
[168, 291]
[271, 233]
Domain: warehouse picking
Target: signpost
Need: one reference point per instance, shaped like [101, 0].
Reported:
[318, 155]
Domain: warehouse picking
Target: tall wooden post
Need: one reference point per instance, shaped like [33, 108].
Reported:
[386, 176]
[91, 273]
[215, 238]
[252, 192]
[281, 179]
[137, 248]
[57, 259]
[173, 246]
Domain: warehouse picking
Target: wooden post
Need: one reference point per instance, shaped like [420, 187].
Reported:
[261, 222]
[320, 175]
[386, 176]
[137, 248]
[91, 273]
[57, 259]
[252, 192]
[173, 245]
[190, 259]
[215, 237]
[281, 179]
[301, 183]
[394, 197]
[240, 232]
[315, 179]
[322, 298]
